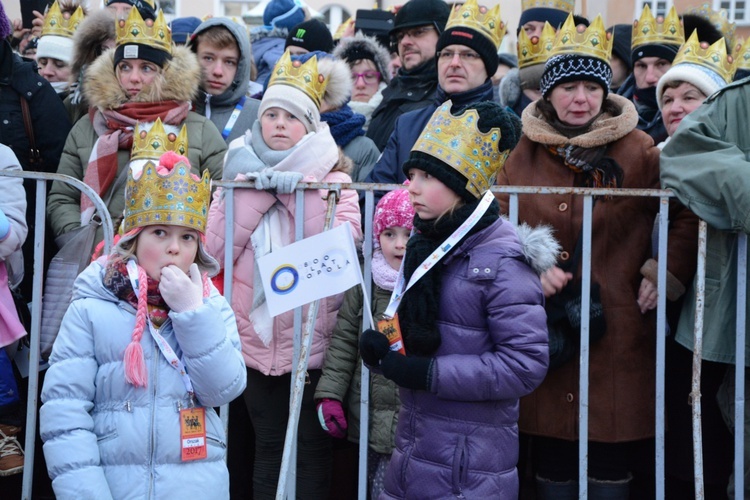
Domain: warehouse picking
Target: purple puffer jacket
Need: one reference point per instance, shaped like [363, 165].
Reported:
[460, 440]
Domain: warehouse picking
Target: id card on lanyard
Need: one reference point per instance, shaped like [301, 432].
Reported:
[192, 419]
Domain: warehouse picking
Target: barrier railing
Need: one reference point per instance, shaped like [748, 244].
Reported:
[288, 490]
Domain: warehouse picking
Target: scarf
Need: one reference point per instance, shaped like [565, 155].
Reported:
[345, 124]
[600, 171]
[418, 311]
[645, 103]
[115, 130]
[382, 273]
[117, 281]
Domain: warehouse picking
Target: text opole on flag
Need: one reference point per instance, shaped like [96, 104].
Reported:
[310, 269]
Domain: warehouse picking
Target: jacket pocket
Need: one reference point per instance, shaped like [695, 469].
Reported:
[460, 466]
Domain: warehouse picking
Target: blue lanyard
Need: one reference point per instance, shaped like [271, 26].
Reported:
[233, 118]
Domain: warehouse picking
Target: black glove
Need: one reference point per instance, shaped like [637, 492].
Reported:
[373, 346]
[411, 372]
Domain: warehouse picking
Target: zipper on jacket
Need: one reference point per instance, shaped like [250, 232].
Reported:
[152, 439]
[128, 406]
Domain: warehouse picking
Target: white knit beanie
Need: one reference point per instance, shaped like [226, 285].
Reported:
[294, 101]
[55, 47]
[701, 77]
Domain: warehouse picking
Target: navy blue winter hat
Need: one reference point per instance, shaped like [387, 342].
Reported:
[283, 14]
[182, 28]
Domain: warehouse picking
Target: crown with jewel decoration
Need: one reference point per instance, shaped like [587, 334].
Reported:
[150, 145]
[720, 20]
[57, 24]
[591, 41]
[154, 34]
[458, 142]
[742, 55]
[175, 199]
[535, 50]
[565, 5]
[713, 57]
[480, 19]
[657, 31]
[302, 76]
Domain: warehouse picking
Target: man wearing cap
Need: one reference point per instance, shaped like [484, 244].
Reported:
[223, 51]
[309, 36]
[654, 46]
[416, 30]
[466, 59]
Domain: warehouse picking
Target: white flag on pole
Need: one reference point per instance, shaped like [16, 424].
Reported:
[310, 269]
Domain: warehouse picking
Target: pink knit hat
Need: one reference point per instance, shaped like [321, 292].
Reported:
[393, 210]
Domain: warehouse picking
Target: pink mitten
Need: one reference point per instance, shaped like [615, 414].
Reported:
[332, 419]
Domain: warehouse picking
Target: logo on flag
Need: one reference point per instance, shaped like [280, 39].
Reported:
[310, 269]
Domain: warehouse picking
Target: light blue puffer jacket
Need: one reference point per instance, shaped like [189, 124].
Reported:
[104, 438]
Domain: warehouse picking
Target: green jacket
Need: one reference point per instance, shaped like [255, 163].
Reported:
[206, 150]
[707, 165]
[342, 373]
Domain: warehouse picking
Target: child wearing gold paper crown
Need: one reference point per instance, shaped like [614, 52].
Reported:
[147, 347]
[472, 316]
[286, 145]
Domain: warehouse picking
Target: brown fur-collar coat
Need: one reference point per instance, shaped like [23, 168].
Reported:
[178, 81]
[622, 371]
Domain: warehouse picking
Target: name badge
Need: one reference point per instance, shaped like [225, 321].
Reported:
[193, 434]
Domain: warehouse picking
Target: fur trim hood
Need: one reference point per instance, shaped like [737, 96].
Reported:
[605, 129]
[89, 39]
[509, 88]
[260, 32]
[539, 246]
[363, 43]
[178, 81]
[339, 88]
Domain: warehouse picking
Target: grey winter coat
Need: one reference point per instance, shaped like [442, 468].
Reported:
[460, 440]
[222, 106]
[104, 438]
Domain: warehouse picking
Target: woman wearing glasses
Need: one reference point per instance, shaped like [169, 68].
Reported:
[368, 61]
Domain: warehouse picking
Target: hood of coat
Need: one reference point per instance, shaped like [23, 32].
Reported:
[178, 81]
[348, 47]
[605, 129]
[241, 80]
[95, 30]
[536, 245]
[89, 285]
[509, 88]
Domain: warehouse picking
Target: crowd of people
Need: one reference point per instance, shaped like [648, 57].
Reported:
[474, 391]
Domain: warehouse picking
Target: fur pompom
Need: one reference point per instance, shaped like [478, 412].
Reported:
[540, 247]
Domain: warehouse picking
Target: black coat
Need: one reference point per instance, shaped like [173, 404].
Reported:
[409, 90]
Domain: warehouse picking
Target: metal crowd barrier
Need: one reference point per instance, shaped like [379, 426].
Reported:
[287, 480]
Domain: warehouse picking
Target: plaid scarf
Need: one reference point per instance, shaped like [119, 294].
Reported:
[115, 130]
[601, 171]
[117, 281]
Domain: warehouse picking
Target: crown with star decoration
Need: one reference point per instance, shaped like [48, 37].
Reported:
[56, 23]
[648, 30]
[134, 30]
[458, 142]
[480, 19]
[713, 57]
[173, 197]
[151, 144]
[591, 41]
[302, 76]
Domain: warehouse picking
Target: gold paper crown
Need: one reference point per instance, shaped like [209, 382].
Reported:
[55, 23]
[535, 50]
[481, 20]
[593, 41]
[175, 199]
[742, 55]
[565, 5]
[302, 76]
[713, 57]
[720, 20]
[657, 31]
[154, 143]
[154, 34]
[457, 142]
